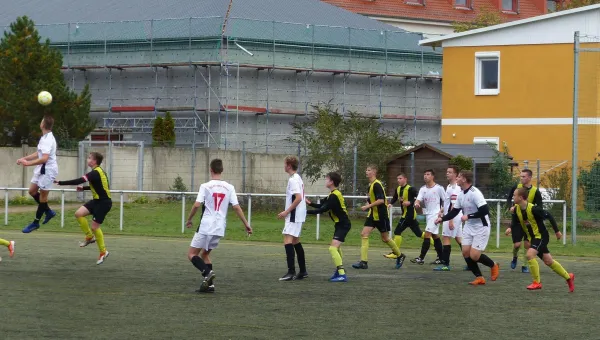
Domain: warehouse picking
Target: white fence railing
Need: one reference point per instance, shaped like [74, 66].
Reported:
[499, 203]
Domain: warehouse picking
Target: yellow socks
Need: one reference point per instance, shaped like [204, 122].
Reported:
[558, 269]
[534, 268]
[364, 249]
[83, 223]
[398, 240]
[525, 259]
[4, 242]
[340, 251]
[394, 247]
[337, 259]
[100, 240]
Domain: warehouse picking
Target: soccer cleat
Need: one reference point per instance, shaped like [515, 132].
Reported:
[335, 274]
[31, 227]
[442, 268]
[466, 268]
[211, 289]
[524, 269]
[513, 263]
[87, 242]
[207, 282]
[391, 256]
[288, 277]
[360, 265]
[417, 260]
[495, 271]
[437, 262]
[301, 276]
[11, 248]
[571, 282]
[478, 281]
[535, 286]
[102, 257]
[339, 278]
[49, 215]
[400, 261]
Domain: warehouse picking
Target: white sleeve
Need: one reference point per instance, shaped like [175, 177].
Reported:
[421, 194]
[479, 199]
[458, 201]
[233, 198]
[295, 186]
[201, 194]
[46, 146]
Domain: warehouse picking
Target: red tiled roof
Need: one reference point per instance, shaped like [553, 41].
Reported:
[435, 10]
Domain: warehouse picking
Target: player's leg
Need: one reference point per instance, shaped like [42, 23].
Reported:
[300, 256]
[209, 275]
[544, 254]
[400, 227]
[481, 237]
[384, 228]
[447, 235]
[526, 244]
[430, 229]
[80, 216]
[101, 209]
[8, 244]
[532, 253]
[364, 244]
[34, 192]
[339, 236]
[45, 183]
[517, 237]
[290, 253]
[466, 253]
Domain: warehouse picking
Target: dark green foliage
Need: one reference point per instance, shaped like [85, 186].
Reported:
[500, 174]
[163, 132]
[589, 182]
[462, 162]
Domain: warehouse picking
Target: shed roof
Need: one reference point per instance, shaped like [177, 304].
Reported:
[480, 153]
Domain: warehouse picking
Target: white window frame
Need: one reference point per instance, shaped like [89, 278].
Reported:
[482, 56]
[487, 140]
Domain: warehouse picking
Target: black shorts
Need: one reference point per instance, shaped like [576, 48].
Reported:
[408, 223]
[541, 245]
[383, 225]
[98, 209]
[517, 233]
[341, 230]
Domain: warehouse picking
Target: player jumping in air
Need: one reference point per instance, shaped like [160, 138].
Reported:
[451, 229]
[476, 232]
[214, 197]
[378, 217]
[531, 220]
[336, 205]
[98, 207]
[432, 197]
[295, 215]
[46, 170]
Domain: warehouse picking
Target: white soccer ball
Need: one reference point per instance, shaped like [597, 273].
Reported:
[44, 98]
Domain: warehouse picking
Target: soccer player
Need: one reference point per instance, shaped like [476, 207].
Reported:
[377, 217]
[451, 229]
[98, 207]
[531, 220]
[214, 197]
[10, 245]
[432, 196]
[407, 195]
[476, 232]
[534, 196]
[46, 170]
[336, 205]
[295, 215]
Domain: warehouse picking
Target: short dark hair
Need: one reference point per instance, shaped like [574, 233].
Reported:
[522, 192]
[97, 157]
[454, 168]
[292, 161]
[430, 171]
[401, 174]
[467, 175]
[216, 165]
[335, 178]
[528, 172]
[48, 123]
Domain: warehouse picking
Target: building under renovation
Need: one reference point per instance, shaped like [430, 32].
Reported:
[234, 74]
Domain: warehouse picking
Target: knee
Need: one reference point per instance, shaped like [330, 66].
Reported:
[517, 245]
[32, 192]
[364, 234]
[548, 262]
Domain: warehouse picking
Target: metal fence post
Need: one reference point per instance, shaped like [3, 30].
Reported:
[575, 138]
[244, 166]
[498, 213]
[193, 161]
[140, 183]
[526, 164]
[299, 160]
[318, 219]
[62, 208]
[6, 207]
[474, 173]
[121, 213]
[564, 238]
[182, 213]
[538, 173]
[250, 209]
[354, 169]
[110, 160]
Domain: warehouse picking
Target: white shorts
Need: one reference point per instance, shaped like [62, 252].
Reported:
[206, 242]
[431, 226]
[458, 229]
[44, 182]
[292, 228]
[477, 237]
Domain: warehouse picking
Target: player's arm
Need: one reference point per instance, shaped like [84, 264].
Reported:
[324, 207]
[240, 213]
[482, 207]
[412, 196]
[450, 215]
[30, 157]
[313, 204]
[550, 218]
[537, 199]
[196, 206]
[379, 197]
[297, 191]
[394, 198]
[540, 215]
[37, 161]
[419, 198]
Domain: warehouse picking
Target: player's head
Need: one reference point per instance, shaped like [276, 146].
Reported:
[47, 123]
[216, 166]
[94, 159]
[333, 180]
[452, 173]
[520, 195]
[526, 176]
[402, 180]
[428, 176]
[291, 164]
[371, 171]
[465, 178]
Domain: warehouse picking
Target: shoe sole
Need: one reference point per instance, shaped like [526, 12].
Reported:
[82, 245]
[534, 288]
[104, 259]
[28, 231]
[286, 279]
[48, 219]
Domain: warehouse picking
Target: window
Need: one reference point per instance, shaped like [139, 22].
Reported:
[487, 73]
[462, 3]
[510, 6]
[415, 2]
[491, 141]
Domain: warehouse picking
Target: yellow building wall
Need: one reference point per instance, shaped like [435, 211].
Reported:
[536, 81]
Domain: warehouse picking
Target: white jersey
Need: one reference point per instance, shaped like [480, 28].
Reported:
[47, 145]
[431, 199]
[469, 202]
[216, 196]
[452, 192]
[295, 187]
